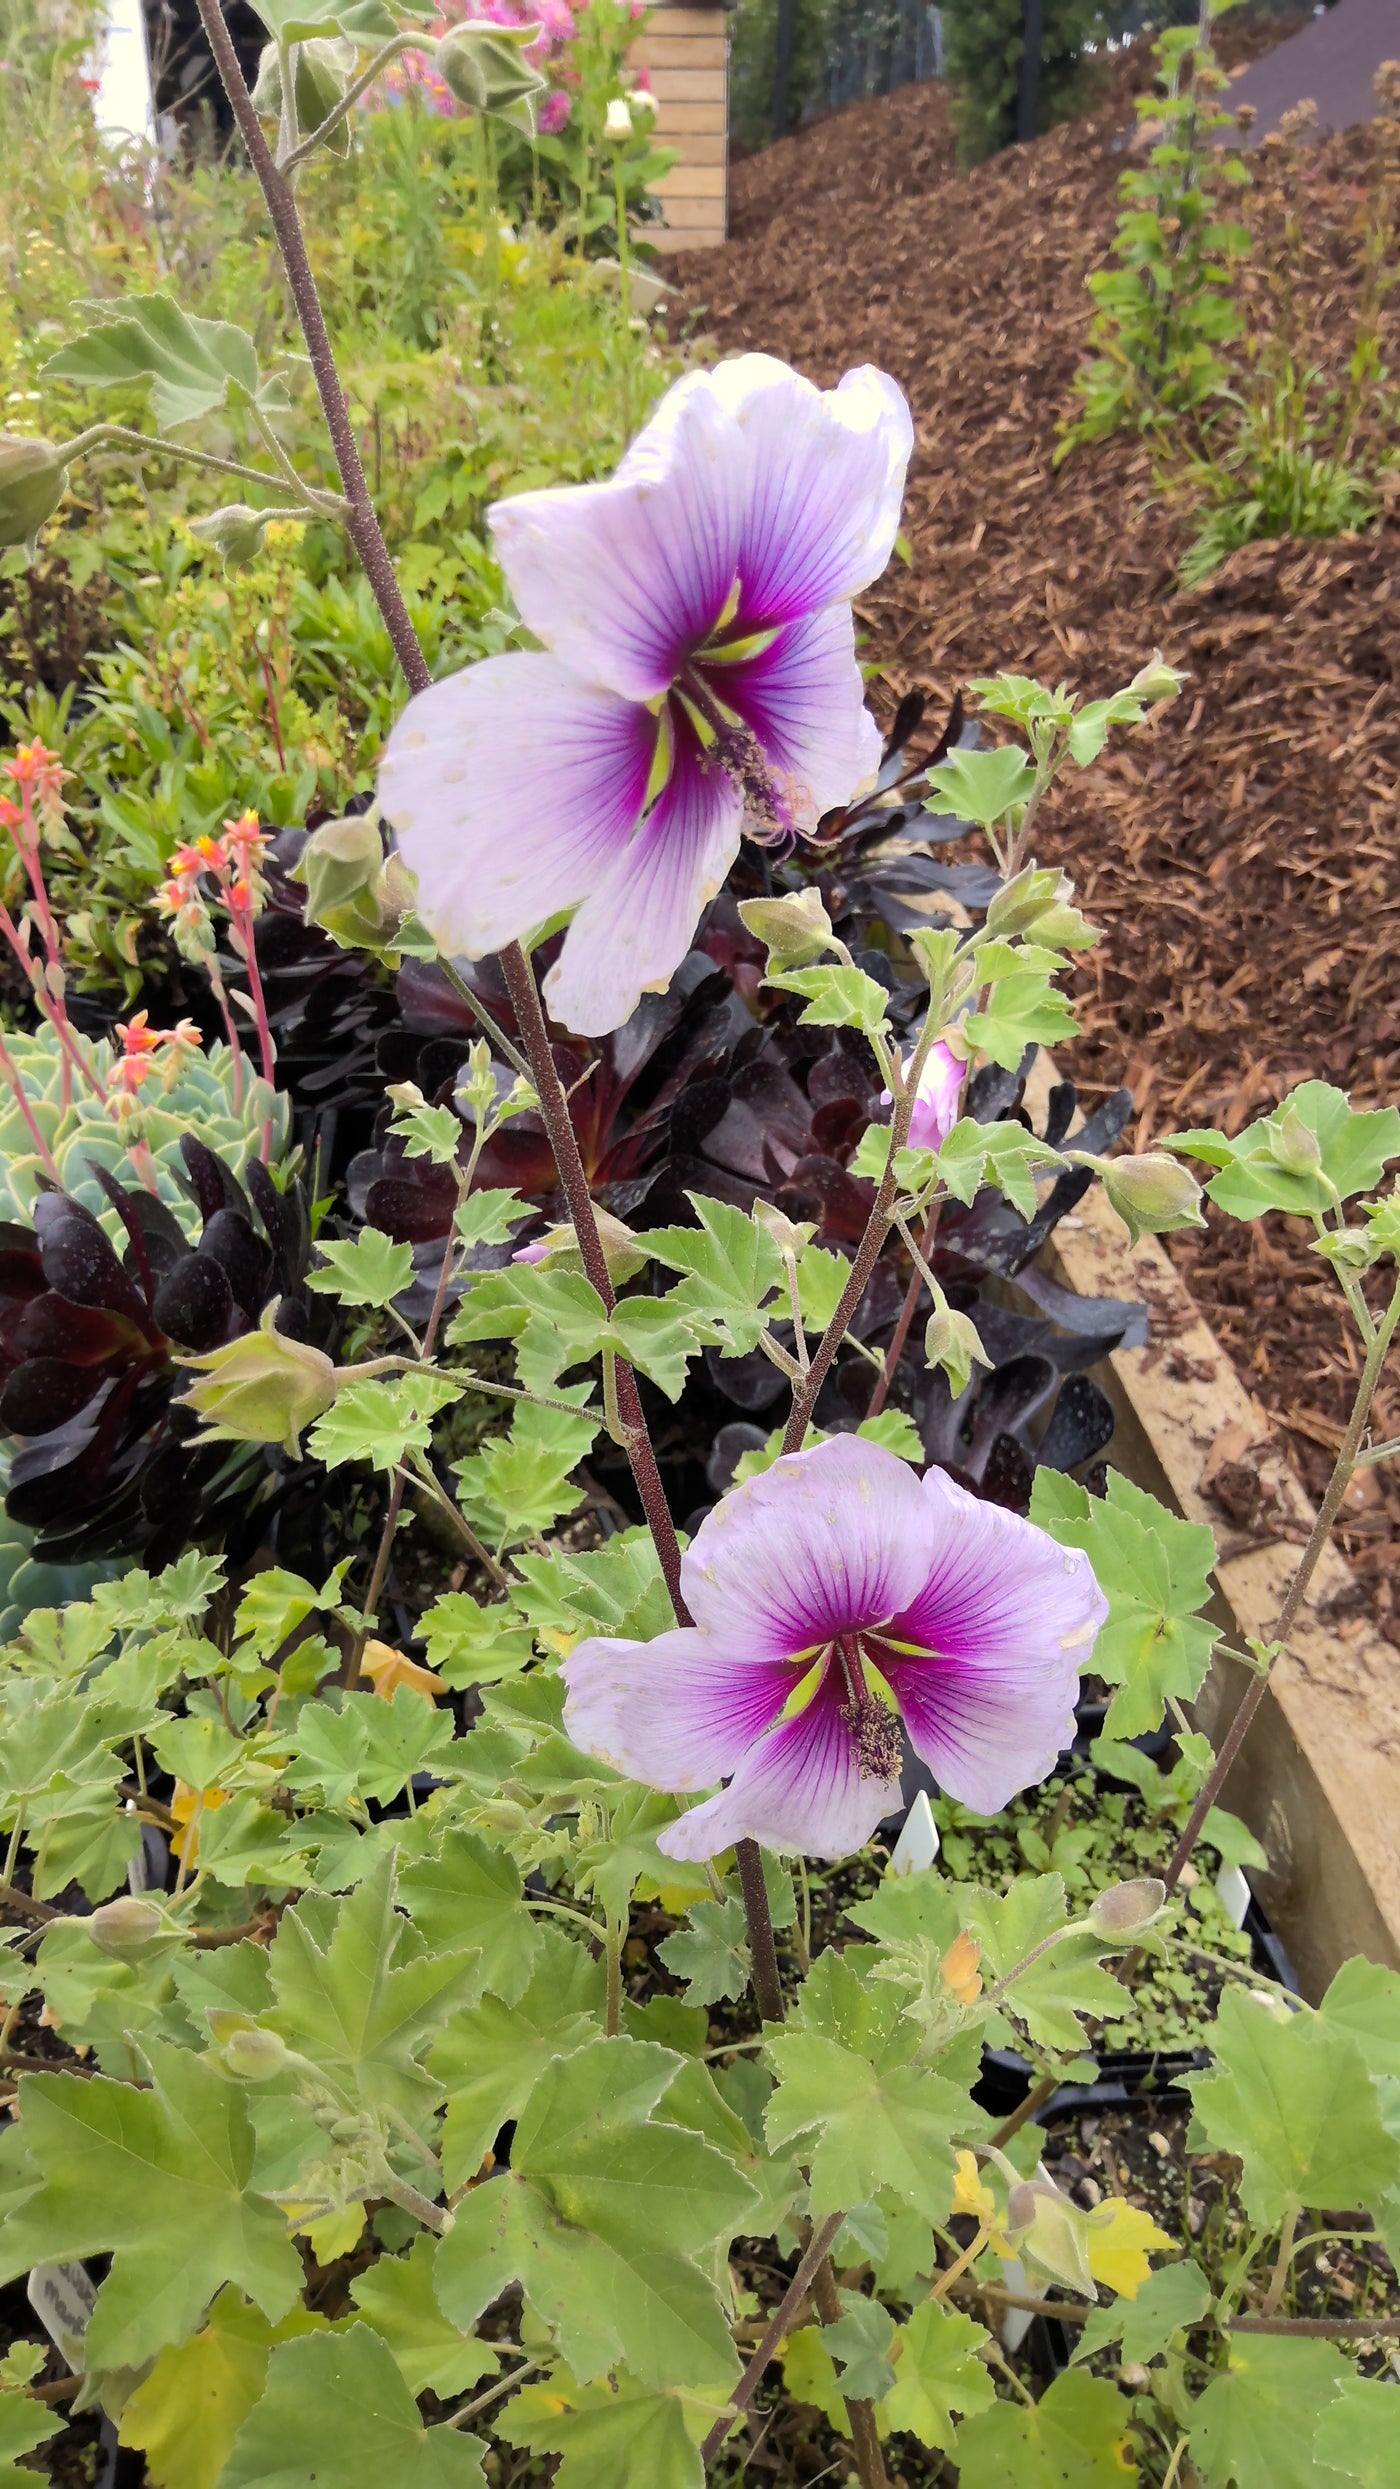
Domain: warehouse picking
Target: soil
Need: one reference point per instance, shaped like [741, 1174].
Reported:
[1242, 853]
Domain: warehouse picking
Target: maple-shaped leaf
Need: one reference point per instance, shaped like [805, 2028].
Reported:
[358, 1994]
[470, 1894]
[1065, 1983]
[490, 2057]
[1154, 1570]
[158, 2179]
[871, 2127]
[1254, 2425]
[397, 2298]
[1292, 2095]
[731, 1265]
[936, 2373]
[613, 2435]
[1078, 2431]
[335, 2409]
[186, 2414]
[601, 2218]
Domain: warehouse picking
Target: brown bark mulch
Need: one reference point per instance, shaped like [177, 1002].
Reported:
[1243, 854]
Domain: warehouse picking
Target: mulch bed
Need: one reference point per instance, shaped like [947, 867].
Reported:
[1243, 855]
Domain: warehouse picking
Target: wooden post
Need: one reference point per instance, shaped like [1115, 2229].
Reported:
[1032, 37]
[685, 51]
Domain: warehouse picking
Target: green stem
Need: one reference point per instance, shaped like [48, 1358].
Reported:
[329, 505]
[327, 128]
[612, 1954]
[1279, 2275]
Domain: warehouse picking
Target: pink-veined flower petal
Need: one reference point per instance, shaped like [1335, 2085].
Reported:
[825, 483]
[798, 1788]
[511, 788]
[623, 580]
[822, 1543]
[635, 925]
[1010, 1619]
[668, 1712]
[805, 701]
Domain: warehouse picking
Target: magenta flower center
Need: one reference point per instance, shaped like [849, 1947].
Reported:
[701, 711]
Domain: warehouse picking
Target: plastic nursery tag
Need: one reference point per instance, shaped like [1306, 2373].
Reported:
[1235, 1894]
[1013, 2324]
[62, 2297]
[917, 1846]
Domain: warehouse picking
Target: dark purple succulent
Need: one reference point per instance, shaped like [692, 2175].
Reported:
[89, 1347]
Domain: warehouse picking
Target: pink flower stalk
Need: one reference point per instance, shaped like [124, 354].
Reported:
[554, 112]
[937, 1100]
[698, 674]
[831, 1594]
[40, 777]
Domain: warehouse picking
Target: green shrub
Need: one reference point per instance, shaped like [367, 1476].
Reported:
[984, 44]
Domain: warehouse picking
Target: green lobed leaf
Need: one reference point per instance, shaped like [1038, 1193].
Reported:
[981, 786]
[937, 2374]
[396, 2297]
[869, 2127]
[1022, 1009]
[1154, 1570]
[600, 2219]
[837, 998]
[1173, 2297]
[1066, 1982]
[25, 2424]
[1077, 2433]
[193, 365]
[186, 2414]
[158, 2179]
[336, 2408]
[1357, 2435]
[381, 1421]
[711, 1952]
[366, 1270]
[617, 2434]
[1254, 2425]
[489, 2057]
[1002, 1154]
[469, 1644]
[1354, 1150]
[490, 1217]
[861, 2339]
[470, 1895]
[520, 1483]
[730, 1268]
[1292, 2095]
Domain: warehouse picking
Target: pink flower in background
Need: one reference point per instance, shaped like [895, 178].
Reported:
[698, 671]
[830, 1594]
[554, 112]
[938, 1100]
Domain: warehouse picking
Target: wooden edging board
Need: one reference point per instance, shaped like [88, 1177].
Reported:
[1318, 1779]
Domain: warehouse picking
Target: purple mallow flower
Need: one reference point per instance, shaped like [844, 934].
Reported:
[830, 1594]
[937, 1100]
[698, 672]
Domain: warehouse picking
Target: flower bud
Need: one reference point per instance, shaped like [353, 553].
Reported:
[1157, 681]
[250, 2054]
[32, 483]
[362, 898]
[558, 1249]
[128, 1926]
[959, 1967]
[263, 1388]
[1126, 1909]
[796, 929]
[641, 99]
[1021, 902]
[1152, 1194]
[1292, 1145]
[235, 532]
[789, 1235]
[1047, 2230]
[325, 67]
[617, 124]
[952, 1345]
[483, 67]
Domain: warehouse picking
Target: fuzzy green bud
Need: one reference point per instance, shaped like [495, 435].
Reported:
[33, 478]
[1157, 681]
[362, 898]
[263, 1388]
[1153, 1194]
[1293, 1145]
[325, 66]
[1127, 1909]
[789, 1235]
[1048, 2231]
[250, 2054]
[484, 67]
[795, 929]
[1021, 902]
[127, 1927]
[235, 532]
[558, 1249]
[952, 1345]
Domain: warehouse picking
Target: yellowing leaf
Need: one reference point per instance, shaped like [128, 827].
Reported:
[1119, 2236]
[334, 2233]
[388, 1669]
[186, 2414]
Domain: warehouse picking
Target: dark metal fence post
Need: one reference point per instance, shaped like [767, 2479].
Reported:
[782, 73]
[1032, 36]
